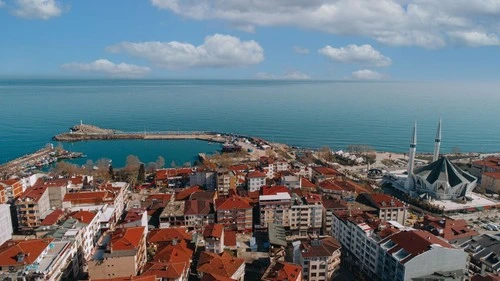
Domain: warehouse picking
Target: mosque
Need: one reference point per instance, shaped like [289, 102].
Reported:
[439, 180]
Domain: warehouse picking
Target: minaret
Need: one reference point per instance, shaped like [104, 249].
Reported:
[413, 149]
[437, 142]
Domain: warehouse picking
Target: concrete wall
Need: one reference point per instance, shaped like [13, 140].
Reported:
[6, 223]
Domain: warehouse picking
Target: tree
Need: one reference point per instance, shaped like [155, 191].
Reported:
[173, 164]
[160, 162]
[359, 148]
[65, 168]
[111, 172]
[141, 176]
[370, 158]
[85, 182]
[187, 164]
[326, 153]
[132, 163]
[89, 166]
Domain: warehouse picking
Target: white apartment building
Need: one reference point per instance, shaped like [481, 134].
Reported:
[255, 180]
[306, 215]
[275, 208]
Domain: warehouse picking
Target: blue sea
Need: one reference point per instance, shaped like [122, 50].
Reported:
[309, 114]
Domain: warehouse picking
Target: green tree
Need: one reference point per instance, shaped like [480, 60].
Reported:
[141, 176]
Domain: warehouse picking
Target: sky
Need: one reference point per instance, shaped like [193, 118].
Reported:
[443, 40]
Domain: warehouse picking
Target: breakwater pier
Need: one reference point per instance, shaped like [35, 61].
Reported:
[85, 132]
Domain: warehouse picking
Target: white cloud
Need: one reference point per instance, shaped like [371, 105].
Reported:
[105, 66]
[475, 38]
[364, 55]
[424, 23]
[300, 50]
[37, 9]
[2, 3]
[216, 51]
[288, 75]
[367, 74]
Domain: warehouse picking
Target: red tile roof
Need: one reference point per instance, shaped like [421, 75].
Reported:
[495, 175]
[342, 185]
[229, 238]
[126, 238]
[211, 277]
[256, 174]
[163, 197]
[134, 214]
[34, 193]
[164, 174]
[213, 230]
[447, 228]
[30, 249]
[382, 201]
[327, 171]
[488, 277]
[223, 265]
[131, 278]
[232, 202]
[9, 182]
[305, 183]
[196, 207]
[83, 216]
[239, 167]
[283, 271]
[273, 190]
[490, 162]
[320, 248]
[167, 235]
[53, 217]
[172, 262]
[414, 242]
[184, 194]
[95, 197]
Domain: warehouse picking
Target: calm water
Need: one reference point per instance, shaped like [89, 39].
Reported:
[309, 114]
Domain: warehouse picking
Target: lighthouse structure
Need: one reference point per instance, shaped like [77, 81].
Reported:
[437, 142]
[413, 150]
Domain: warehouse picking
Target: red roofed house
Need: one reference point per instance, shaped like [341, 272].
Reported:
[491, 181]
[135, 217]
[319, 258]
[221, 266]
[34, 259]
[307, 184]
[53, 218]
[487, 165]
[283, 271]
[33, 206]
[448, 228]
[129, 278]
[121, 253]
[171, 263]
[198, 213]
[255, 180]
[213, 234]
[415, 253]
[234, 213]
[388, 207]
[173, 177]
[320, 174]
[13, 188]
[161, 237]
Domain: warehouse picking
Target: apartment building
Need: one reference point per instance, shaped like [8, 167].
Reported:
[6, 223]
[33, 206]
[235, 213]
[13, 188]
[388, 208]
[279, 271]
[224, 266]
[319, 258]
[255, 180]
[484, 253]
[274, 206]
[320, 173]
[121, 253]
[226, 181]
[306, 215]
[204, 178]
[213, 234]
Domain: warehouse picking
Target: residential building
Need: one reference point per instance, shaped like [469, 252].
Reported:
[136, 217]
[306, 215]
[171, 263]
[174, 178]
[307, 185]
[255, 180]
[274, 206]
[159, 238]
[491, 181]
[319, 174]
[213, 234]
[3, 195]
[5, 223]
[484, 252]
[226, 180]
[33, 206]
[235, 213]
[330, 205]
[489, 164]
[198, 213]
[388, 208]
[34, 259]
[290, 181]
[221, 266]
[451, 230]
[319, 258]
[280, 271]
[485, 277]
[409, 254]
[120, 253]
[13, 188]
[203, 178]
[91, 224]
[173, 214]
